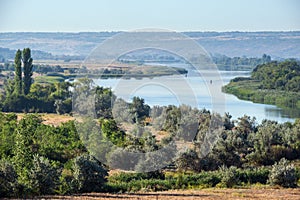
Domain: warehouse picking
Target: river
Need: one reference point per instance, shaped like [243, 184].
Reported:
[195, 91]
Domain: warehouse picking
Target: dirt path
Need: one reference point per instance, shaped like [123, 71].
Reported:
[235, 194]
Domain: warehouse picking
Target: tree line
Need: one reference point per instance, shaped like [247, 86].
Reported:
[278, 75]
[226, 62]
[38, 159]
[276, 83]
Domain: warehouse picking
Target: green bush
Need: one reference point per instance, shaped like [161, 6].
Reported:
[252, 176]
[207, 179]
[127, 177]
[230, 176]
[67, 183]
[284, 174]
[43, 178]
[89, 174]
[8, 179]
[140, 185]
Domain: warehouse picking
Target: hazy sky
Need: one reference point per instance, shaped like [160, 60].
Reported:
[178, 15]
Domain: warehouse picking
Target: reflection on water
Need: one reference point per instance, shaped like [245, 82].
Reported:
[285, 112]
[176, 90]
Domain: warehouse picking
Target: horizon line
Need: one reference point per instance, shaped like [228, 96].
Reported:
[160, 30]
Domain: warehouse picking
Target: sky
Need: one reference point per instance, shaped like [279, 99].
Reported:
[128, 15]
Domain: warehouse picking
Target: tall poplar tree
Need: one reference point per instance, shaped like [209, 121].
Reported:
[27, 64]
[18, 73]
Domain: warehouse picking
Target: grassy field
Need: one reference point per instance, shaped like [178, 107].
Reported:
[51, 118]
[211, 193]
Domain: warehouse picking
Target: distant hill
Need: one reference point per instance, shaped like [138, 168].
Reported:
[249, 44]
[9, 54]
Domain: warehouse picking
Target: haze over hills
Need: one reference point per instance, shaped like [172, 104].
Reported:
[250, 44]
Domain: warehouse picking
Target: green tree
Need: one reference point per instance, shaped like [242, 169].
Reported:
[43, 176]
[8, 179]
[18, 73]
[111, 131]
[25, 146]
[284, 174]
[139, 109]
[8, 124]
[27, 64]
[188, 160]
[89, 174]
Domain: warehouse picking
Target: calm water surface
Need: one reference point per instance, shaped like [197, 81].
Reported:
[202, 91]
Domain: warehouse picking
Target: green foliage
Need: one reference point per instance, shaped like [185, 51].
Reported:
[60, 143]
[48, 79]
[8, 125]
[111, 131]
[43, 176]
[275, 83]
[156, 159]
[125, 159]
[121, 111]
[104, 99]
[229, 176]
[24, 96]
[254, 175]
[282, 76]
[27, 69]
[133, 182]
[25, 146]
[91, 100]
[88, 173]
[18, 73]
[283, 174]
[139, 109]
[127, 177]
[8, 179]
[239, 63]
[188, 161]
[28, 137]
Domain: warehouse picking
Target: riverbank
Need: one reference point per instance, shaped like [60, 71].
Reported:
[137, 72]
[249, 89]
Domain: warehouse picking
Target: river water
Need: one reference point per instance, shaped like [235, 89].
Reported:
[202, 91]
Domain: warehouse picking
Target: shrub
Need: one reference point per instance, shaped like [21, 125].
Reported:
[67, 184]
[8, 179]
[127, 177]
[284, 174]
[89, 174]
[252, 176]
[229, 176]
[43, 178]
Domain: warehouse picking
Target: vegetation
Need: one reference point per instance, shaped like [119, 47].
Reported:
[239, 63]
[273, 83]
[279, 75]
[45, 159]
[283, 174]
[75, 157]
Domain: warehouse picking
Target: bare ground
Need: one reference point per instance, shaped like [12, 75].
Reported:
[51, 118]
[213, 193]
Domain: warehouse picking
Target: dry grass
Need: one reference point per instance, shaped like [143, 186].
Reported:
[55, 119]
[235, 194]
[51, 118]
